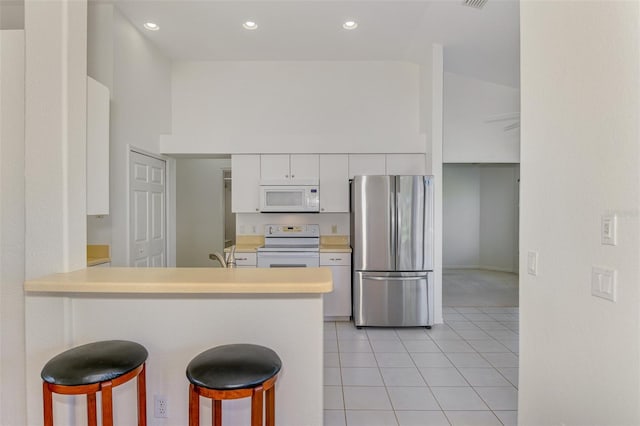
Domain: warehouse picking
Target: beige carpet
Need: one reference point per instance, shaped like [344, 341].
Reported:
[475, 287]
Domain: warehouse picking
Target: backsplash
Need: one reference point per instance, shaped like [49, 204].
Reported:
[330, 223]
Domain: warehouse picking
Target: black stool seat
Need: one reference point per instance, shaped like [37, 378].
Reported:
[94, 363]
[237, 366]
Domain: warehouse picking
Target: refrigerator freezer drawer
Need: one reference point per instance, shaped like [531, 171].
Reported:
[392, 299]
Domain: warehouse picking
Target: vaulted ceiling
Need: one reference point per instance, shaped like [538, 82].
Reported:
[482, 43]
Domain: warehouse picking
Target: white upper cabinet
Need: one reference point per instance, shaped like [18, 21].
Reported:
[274, 168]
[245, 183]
[284, 169]
[406, 164]
[334, 183]
[97, 148]
[366, 164]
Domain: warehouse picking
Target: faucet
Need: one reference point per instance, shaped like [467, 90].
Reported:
[229, 261]
[219, 258]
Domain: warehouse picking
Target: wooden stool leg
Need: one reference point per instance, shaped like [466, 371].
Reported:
[107, 404]
[194, 406]
[142, 396]
[92, 412]
[271, 407]
[216, 408]
[47, 399]
[256, 406]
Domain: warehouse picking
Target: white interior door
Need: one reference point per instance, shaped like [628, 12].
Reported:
[147, 189]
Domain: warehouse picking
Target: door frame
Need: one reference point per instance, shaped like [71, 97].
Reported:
[170, 203]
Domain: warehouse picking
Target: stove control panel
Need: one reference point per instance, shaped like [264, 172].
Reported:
[292, 231]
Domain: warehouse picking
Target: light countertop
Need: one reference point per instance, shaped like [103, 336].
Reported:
[335, 248]
[186, 281]
[335, 244]
[97, 254]
[328, 244]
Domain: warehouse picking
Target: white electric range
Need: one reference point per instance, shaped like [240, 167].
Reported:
[290, 246]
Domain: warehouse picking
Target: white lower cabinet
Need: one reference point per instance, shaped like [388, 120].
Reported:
[338, 302]
[246, 260]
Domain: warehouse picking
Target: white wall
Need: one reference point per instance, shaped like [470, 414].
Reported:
[253, 224]
[304, 106]
[480, 216]
[461, 216]
[432, 98]
[498, 248]
[199, 210]
[580, 355]
[139, 78]
[468, 138]
[55, 158]
[12, 224]
[12, 15]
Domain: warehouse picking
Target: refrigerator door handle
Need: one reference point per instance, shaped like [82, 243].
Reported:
[388, 278]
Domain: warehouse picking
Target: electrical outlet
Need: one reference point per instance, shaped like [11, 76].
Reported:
[160, 409]
[603, 283]
[334, 229]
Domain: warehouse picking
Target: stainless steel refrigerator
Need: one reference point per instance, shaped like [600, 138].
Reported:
[392, 240]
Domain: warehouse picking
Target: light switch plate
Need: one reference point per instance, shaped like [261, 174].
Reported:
[603, 283]
[608, 231]
[532, 263]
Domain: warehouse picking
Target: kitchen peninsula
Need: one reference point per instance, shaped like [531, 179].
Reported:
[176, 313]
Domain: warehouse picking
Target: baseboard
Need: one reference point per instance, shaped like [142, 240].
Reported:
[480, 267]
[461, 267]
[337, 319]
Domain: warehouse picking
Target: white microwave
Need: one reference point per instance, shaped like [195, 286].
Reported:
[289, 198]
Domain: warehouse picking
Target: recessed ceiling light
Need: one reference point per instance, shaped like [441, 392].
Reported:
[250, 25]
[152, 26]
[350, 25]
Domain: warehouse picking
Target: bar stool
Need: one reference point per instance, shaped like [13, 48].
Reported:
[95, 367]
[232, 372]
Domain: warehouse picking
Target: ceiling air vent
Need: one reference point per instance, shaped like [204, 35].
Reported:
[477, 4]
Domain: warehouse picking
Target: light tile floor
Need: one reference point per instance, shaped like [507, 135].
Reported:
[462, 372]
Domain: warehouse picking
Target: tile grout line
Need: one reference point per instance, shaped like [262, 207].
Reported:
[457, 333]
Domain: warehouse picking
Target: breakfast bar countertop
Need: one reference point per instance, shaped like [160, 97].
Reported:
[186, 281]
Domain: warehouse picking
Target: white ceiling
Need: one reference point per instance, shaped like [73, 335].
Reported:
[479, 43]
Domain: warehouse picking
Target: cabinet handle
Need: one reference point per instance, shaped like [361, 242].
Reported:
[322, 209]
[292, 176]
[257, 209]
[335, 258]
[286, 176]
[241, 258]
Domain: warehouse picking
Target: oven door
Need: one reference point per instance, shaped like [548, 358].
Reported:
[289, 259]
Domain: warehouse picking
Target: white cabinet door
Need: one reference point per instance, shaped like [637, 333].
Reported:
[97, 148]
[338, 302]
[297, 169]
[246, 260]
[274, 169]
[366, 164]
[334, 183]
[245, 183]
[304, 169]
[406, 164]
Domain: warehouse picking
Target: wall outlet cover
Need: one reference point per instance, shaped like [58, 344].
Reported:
[603, 283]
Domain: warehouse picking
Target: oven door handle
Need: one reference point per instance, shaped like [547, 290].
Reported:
[289, 254]
[286, 265]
